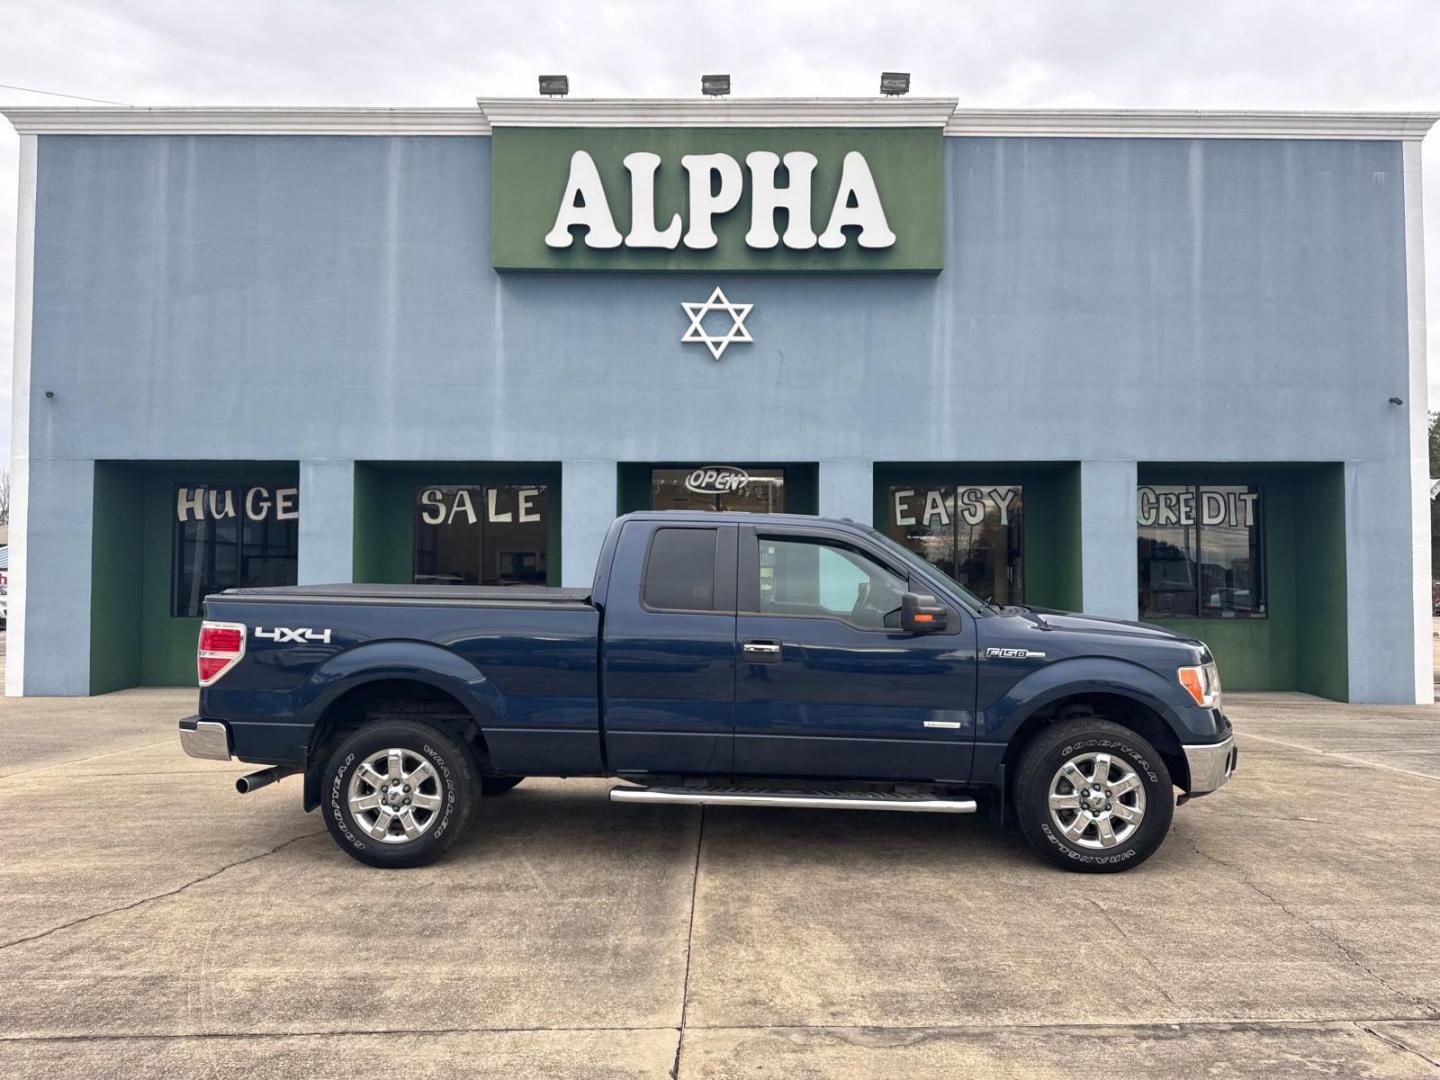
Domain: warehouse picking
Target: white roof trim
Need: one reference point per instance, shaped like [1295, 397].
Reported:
[718, 112]
[1185, 124]
[241, 120]
[722, 112]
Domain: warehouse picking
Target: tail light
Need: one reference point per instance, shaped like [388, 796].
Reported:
[221, 646]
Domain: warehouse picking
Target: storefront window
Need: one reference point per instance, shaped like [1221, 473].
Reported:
[482, 534]
[975, 534]
[232, 536]
[718, 487]
[1201, 551]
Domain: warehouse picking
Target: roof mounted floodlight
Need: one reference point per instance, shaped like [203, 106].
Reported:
[894, 83]
[554, 85]
[715, 85]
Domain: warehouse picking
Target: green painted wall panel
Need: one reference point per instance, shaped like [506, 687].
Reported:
[1323, 645]
[530, 168]
[116, 589]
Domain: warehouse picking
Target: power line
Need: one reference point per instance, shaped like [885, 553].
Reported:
[55, 93]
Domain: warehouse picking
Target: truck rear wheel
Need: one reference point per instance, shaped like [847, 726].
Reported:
[398, 793]
[1093, 797]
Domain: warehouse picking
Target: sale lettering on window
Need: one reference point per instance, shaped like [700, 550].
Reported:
[482, 534]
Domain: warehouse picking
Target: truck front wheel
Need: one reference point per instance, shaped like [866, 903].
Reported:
[1093, 796]
[398, 793]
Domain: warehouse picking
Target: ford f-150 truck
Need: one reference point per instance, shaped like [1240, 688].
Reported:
[722, 659]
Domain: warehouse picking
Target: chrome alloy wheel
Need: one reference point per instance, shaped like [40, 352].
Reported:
[1097, 801]
[395, 796]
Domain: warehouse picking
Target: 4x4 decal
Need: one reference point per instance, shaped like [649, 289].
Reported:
[283, 635]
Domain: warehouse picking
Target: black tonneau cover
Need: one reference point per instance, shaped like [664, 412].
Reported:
[421, 594]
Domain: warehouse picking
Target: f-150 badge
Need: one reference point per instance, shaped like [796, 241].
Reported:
[1013, 654]
[283, 635]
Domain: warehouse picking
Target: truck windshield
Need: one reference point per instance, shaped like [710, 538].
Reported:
[909, 557]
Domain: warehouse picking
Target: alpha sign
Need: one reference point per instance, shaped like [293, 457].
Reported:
[715, 183]
[766, 199]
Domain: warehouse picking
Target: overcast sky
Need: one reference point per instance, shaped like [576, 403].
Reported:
[1261, 54]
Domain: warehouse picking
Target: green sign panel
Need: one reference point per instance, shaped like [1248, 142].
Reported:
[784, 200]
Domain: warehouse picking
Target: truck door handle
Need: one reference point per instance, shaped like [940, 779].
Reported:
[761, 652]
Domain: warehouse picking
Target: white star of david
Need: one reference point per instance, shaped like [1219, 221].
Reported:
[717, 302]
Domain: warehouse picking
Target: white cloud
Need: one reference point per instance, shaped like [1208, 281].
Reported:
[1361, 54]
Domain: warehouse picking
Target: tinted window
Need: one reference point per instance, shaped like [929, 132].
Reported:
[680, 573]
[1201, 551]
[718, 487]
[482, 534]
[232, 536]
[807, 577]
[976, 535]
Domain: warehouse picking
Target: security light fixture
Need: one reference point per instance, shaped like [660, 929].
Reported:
[894, 83]
[715, 85]
[554, 85]
[1397, 401]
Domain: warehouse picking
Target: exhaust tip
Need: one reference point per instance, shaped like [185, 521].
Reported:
[263, 778]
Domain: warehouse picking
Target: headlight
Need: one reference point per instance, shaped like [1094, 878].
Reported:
[1202, 683]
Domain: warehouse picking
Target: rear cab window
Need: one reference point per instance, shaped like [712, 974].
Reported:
[680, 570]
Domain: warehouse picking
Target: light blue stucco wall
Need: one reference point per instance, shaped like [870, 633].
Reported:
[1110, 301]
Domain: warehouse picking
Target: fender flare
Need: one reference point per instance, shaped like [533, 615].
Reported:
[1080, 675]
[408, 661]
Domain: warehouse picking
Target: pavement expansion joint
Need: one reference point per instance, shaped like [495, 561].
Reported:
[1197, 1025]
[1339, 945]
[82, 761]
[1349, 759]
[163, 895]
[689, 950]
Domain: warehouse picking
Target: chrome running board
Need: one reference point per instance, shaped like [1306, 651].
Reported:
[810, 800]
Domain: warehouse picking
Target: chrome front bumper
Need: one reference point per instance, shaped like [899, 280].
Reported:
[1210, 766]
[205, 739]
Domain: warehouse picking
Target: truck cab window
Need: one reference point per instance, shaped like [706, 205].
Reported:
[805, 577]
[680, 572]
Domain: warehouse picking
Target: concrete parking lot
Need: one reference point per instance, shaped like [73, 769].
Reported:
[157, 923]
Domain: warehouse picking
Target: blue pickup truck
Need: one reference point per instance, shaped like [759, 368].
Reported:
[718, 659]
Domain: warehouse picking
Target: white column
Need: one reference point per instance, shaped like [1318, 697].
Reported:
[1418, 610]
[1109, 580]
[847, 490]
[17, 624]
[327, 522]
[588, 498]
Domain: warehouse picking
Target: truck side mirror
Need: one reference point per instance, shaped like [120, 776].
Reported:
[921, 614]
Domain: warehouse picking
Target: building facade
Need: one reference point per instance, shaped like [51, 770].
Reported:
[1167, 366]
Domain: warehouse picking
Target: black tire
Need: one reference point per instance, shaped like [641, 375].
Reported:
[452, 783]
[1076, 739]
[497, 785]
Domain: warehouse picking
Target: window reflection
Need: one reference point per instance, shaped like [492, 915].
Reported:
[482, 534]
[975, 534]
[722, 487]
[1200, 551]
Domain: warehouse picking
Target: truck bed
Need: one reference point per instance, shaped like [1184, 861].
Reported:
[488, 595]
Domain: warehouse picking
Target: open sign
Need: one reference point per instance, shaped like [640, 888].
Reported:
[717, 480]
